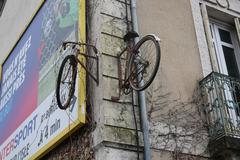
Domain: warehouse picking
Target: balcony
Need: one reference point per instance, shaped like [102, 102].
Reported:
[221, 105]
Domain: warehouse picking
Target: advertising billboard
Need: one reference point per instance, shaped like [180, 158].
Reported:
[30, 120]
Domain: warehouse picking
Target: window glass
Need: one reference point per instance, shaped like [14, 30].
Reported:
[230, 61]
[225, 36]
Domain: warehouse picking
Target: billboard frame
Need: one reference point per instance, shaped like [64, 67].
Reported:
[81, 120]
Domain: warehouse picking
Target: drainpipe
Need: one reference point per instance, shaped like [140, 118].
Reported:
[141, 94]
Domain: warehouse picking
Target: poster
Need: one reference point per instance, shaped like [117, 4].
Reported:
[30, 120]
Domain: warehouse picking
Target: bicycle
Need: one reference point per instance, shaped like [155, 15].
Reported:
[142, 63]
[143, 60]
[66, 79]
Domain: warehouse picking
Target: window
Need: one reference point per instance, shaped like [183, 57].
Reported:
[226, 48]
[2, 3]
[221, 90]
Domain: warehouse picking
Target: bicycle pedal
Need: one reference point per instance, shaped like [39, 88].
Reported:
[115, 99]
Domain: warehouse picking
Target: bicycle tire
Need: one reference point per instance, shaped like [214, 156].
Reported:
[64, 96]
[142, 51]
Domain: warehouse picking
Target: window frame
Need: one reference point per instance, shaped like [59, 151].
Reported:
[218, 43]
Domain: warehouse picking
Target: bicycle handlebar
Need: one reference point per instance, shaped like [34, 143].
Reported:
[79, 44]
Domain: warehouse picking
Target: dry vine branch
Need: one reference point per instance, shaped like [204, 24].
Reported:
[175, 124]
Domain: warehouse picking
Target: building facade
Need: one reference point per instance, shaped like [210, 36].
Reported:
[193, 103]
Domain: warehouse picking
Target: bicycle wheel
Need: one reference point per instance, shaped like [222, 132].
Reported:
[66, 82]
[144, 63]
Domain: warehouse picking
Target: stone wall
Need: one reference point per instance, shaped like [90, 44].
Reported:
[114, 135]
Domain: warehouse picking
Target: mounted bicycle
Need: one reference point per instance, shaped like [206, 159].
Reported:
[68, 72]
[142, 63]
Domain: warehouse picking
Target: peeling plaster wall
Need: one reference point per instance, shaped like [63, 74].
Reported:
[173, 104]
[175, 123]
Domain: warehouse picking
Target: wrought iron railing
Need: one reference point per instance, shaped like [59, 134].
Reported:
[221, 103]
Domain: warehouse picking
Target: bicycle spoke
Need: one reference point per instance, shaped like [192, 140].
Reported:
[134, 75]
[67, 74]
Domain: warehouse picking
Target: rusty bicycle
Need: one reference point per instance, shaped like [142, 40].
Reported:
[142, 63]
[66, 79]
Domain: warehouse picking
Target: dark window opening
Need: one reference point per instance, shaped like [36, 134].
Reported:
[225, 36]
[231, 62]
[2, 4]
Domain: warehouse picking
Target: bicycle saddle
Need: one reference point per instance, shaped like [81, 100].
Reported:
[130, 35]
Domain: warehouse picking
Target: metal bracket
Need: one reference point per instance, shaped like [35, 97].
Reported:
[121, 81]
[95, 57]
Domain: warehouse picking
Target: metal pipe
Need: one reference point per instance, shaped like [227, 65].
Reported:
[141, 95]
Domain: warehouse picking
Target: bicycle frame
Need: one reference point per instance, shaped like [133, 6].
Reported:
[124, 83]
[79, 44]
[137, 76]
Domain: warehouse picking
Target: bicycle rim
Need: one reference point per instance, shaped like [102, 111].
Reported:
[66, 82]
[144, 63]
